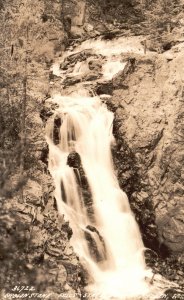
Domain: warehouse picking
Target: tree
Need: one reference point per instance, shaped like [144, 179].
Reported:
[159, 14]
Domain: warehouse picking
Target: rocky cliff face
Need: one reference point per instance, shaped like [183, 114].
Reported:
[148, 106]
[149, 115]
[35, 249]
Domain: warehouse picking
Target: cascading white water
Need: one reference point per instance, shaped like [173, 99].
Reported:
[86, 130]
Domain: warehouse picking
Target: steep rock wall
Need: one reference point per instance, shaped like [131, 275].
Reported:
[149, 117]
[35, 249]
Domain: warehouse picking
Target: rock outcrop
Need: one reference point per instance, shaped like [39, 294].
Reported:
[74, 161]
[149, 117]
[36, 238]
[148, 126]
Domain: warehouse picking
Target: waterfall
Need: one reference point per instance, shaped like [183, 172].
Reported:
[105, 234]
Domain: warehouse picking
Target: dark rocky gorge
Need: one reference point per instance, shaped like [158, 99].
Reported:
[146, 98]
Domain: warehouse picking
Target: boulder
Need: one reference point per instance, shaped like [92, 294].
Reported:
[96, 243]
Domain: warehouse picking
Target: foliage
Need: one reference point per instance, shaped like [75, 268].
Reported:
[10, 141]
[13, 243]
[22, 76]
[160, 14]
[113, 12]
[16, 70]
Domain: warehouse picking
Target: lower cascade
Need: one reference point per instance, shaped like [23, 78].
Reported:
[105, 236]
